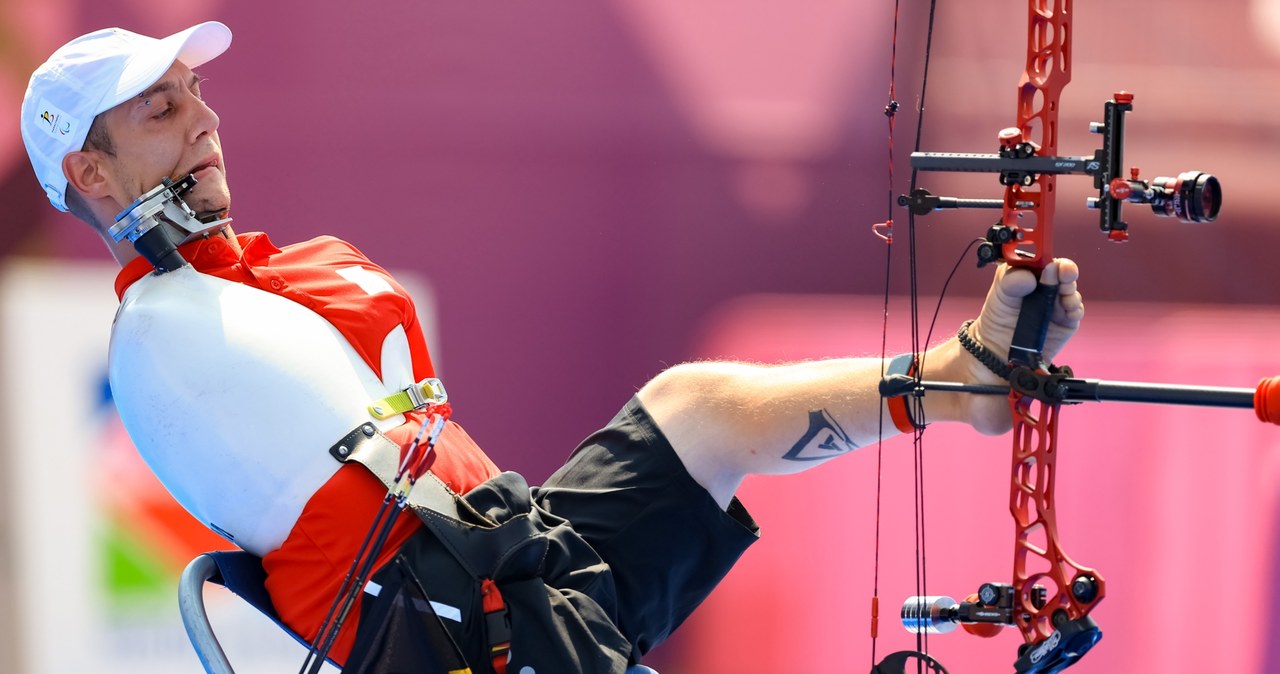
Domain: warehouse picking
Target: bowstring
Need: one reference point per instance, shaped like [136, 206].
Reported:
[917, 407]
[890, 112]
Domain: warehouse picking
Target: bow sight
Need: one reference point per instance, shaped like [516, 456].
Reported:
[1193, 196]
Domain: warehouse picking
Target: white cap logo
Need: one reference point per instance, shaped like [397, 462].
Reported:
[55, 122]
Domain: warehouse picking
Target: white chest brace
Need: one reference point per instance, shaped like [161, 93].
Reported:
[232, 396]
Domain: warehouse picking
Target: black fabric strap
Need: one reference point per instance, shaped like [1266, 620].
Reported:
[986, 356]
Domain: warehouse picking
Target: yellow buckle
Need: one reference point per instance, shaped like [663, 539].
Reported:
[427, 392]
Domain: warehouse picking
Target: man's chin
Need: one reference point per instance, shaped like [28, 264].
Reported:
[207, 205]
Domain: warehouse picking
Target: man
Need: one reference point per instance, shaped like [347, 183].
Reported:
[632, 533]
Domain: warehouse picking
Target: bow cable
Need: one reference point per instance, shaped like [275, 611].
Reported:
[416, 461]
[885, 232]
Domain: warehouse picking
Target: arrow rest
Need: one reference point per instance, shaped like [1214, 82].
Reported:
[992, 250]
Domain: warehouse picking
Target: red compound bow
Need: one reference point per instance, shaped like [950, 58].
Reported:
[1050, 596]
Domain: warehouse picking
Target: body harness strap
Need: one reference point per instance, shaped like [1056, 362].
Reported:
[415, 397]
[478, 543]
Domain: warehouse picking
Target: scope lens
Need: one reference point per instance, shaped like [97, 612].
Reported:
[1193, 196]
[1205, 198]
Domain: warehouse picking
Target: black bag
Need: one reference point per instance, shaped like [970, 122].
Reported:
[405, 634]
[559, 595]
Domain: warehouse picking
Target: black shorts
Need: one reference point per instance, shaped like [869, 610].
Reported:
[643, 546]
[668, 543]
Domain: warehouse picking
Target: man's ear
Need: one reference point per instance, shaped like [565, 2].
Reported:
[86, 173]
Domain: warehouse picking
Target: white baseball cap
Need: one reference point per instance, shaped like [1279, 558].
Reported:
[92, 74]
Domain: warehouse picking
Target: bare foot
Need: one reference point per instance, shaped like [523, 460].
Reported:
[994, 329]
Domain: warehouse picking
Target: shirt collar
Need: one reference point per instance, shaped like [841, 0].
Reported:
[206, 255]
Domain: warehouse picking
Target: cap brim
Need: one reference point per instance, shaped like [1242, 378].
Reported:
[194, 46]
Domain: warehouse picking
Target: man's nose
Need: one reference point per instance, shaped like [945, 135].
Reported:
[205, 120]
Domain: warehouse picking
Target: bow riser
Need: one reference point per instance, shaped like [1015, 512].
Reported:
[1048, 70]
[1038, 555]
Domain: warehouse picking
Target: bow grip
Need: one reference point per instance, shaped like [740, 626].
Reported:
[1027, 347]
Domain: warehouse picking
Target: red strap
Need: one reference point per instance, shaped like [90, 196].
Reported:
[901, 417]
[497, 624]
[898, 410]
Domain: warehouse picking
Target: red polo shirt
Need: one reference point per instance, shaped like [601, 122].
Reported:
[304, 574]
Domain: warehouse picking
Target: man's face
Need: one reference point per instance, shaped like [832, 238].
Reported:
[168, 132]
